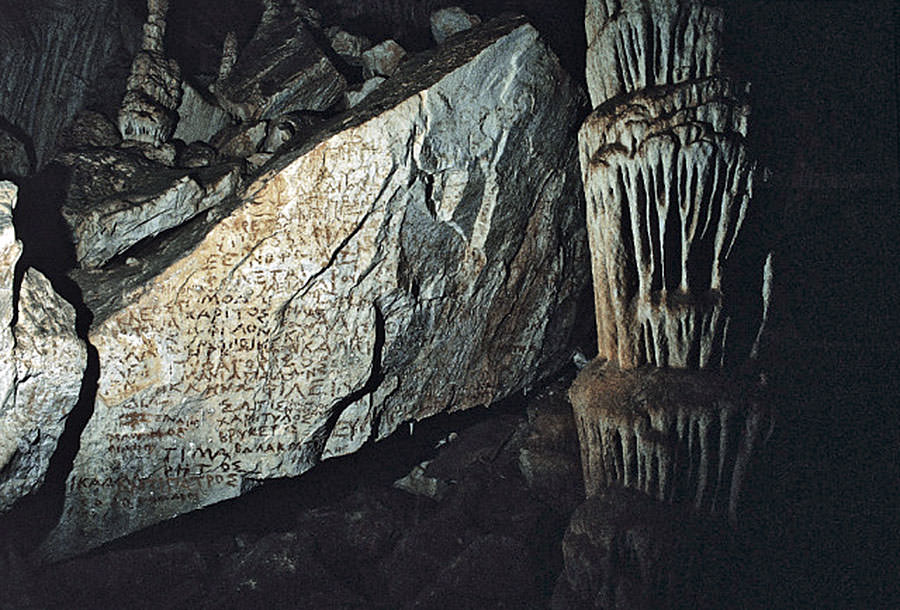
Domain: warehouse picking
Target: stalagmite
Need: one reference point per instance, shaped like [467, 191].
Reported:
[153, 90]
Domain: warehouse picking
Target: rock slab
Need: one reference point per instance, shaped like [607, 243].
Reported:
[42, 362]
[424, 252]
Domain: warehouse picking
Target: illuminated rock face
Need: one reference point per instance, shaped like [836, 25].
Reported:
[638, 44]
[42, 362]
[423, 253]
[668, 181]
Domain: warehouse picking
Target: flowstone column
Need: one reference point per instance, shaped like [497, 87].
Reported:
[668, 180]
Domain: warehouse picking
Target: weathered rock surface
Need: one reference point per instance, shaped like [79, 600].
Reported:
[15, 160]
[281, 70]
[50, 57]
[116, 199]
[423, 253]
[382, 59]
[677, 436]
[42, 362]
[354, 97]
[199, 118]
[668, 179]
[636, 44]
[349, 46]
[89, 129]
[153, 91]
[449, 21]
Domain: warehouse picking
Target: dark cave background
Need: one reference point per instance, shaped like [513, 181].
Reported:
[826, 123]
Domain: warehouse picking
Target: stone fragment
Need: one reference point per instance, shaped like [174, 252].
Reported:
[115, 201]
[677, 436]
[241, 140]
[42, 362]
[636, 44]
[349, 46]
[448, 21]
[15, 162]
[282, 69]
[197, 154]
[422, 254]
[89, 130]
[623, 550]
[153, 91]
[199, 118]
[420, 484]
[668, 180]
[163, 154]
[354, 97]
[382, 59]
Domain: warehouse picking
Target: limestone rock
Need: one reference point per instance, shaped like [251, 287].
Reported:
[382, 59]
[449, 21]
[636, 44]
[153, 91]
[425, 252]
[89, 129]
[677, 436]
[199, 119]
[347, 45]
[42, 362]
[50, 57]
[242, 140]
[668, 180]
[197, 154]
[15, 161]
[353, 97]
[281, 69]
[115, 200]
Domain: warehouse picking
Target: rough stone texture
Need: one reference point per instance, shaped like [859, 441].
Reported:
[15, 160]
[423, 253]
[153, 91]
[355, 97]
[115, 200]
[41, 366]
[89, 129]
[242, 140]
[637, 44]
[281, 70]
[382, 59]
[677, 436]
[50, 57]
[449, 21]
[347, 45]
[624, 551]
[668, 180]
[199, 119]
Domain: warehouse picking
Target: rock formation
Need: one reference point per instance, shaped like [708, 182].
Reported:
[50, 55]
[677, 436]
[115, 199]
[449, 21]
[421, 253]
[668, 179]
[153, 91]
[281, 70]
[42, 362]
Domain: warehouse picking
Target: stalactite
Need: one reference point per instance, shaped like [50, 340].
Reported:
[677, 436]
